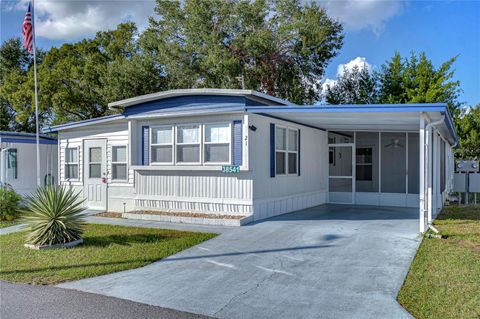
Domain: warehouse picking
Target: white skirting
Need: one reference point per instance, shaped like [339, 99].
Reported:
[265, 208]
[230, 208]
[387, 199]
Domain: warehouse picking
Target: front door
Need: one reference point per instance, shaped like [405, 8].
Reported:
[95, 173]
[340, 179]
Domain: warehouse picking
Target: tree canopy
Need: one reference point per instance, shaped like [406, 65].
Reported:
[77, 81]
[467, 125]
[15, 70]
[356, 86]
[279, 47]
[400, 80]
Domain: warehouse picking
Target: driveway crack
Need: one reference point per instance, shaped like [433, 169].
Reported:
[244, 293]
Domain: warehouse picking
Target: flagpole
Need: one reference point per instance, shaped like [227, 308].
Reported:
[36, 93]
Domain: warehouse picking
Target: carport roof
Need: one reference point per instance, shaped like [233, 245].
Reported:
[374, 117]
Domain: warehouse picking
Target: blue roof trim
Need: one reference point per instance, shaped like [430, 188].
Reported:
[65, 126]
[361, 108]
[184, 101]
[28, 140]
[25, 134]
[190, 110]
[451, 126]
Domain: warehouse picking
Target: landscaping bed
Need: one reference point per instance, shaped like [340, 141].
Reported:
[109, 214]
[106, 249]
[190, 218]
[444, 278]
[188, 214]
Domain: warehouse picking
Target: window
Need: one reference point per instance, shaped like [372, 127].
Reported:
[217, 143]
[286, 151]
[188, 144]
[364, 164]
[71, 163]
[162, 145]
[119, 163]
[292, 143]
[12, 171]
[95, 162]
[280, 150]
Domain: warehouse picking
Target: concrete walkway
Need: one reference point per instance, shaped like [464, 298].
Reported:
[135, 223]
[156, 224]
[328, 261]
[12, 229]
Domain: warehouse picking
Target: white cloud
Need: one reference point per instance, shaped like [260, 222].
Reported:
[364, 14]
[76, 19]
[328, 83]
[359, 62]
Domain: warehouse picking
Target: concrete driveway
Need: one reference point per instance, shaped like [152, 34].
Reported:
[330, 261]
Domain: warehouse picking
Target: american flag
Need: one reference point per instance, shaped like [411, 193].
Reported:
[27, 30]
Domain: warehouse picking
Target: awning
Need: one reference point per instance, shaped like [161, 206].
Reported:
[381, 117]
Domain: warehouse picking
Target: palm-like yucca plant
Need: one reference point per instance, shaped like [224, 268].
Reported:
[54, 216]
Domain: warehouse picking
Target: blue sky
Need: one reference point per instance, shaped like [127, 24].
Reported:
[374, 30]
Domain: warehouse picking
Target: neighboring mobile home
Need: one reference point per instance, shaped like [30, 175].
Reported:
[18, 153]
[241, 152]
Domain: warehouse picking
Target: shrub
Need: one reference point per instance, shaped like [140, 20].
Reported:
[54, 216]
[9, 203]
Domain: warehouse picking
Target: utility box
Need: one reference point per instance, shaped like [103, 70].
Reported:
[459, 182]
[474, 183]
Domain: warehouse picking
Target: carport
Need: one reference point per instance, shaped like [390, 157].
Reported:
[383, 155]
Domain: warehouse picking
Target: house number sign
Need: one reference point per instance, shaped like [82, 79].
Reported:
[231, 169]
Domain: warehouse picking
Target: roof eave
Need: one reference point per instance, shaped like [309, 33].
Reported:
[66, 126]
[183, 92]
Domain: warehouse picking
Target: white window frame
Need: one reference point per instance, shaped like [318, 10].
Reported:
[172, 144]
[118, 180]
[9, 169]
[72, 163]
[286, 151]
[292, 152]
[281, 151]
[200, 139]
[204, 143]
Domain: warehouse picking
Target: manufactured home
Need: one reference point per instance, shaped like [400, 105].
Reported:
[18, 152]
[241, 152]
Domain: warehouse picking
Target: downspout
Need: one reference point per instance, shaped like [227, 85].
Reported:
[427, 144]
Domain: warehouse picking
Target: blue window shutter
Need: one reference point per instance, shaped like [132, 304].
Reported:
[145, 145]
[272, 150]
[298, 153]
[237, 156]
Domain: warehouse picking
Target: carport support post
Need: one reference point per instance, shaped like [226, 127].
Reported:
[422, 174]
[429, 166]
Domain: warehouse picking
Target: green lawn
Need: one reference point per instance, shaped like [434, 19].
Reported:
[8, 223]
[444, 279]
[106, 249]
